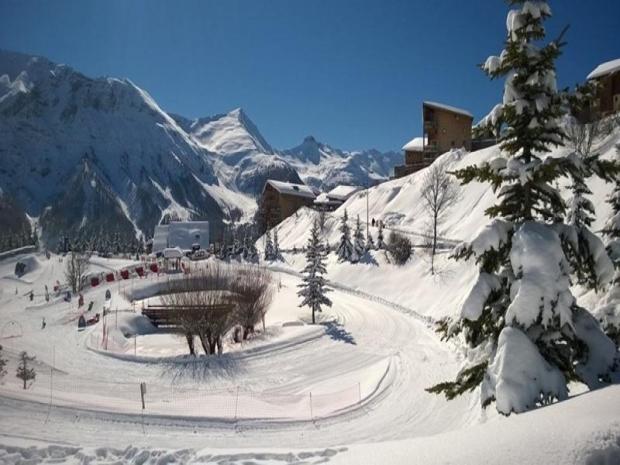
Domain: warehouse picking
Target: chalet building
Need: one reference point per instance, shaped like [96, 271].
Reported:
[443, 128]
[280, 200]
[607, 75]
[330, 201]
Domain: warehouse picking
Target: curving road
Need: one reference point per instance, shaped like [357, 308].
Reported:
[361, 338]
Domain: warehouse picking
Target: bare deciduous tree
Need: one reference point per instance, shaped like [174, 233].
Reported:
[210, 303]
[439, 191]
[75, 271]
[253, 293]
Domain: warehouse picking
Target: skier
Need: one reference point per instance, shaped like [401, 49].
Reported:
[43, 324]
[373, 222]
[31, 296]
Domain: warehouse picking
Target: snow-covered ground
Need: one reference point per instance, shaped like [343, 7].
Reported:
[350, 389]
[366, 366]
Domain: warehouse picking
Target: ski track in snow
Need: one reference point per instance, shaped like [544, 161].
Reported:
[360, 331]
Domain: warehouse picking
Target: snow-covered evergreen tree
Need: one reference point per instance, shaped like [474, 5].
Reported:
[528, 336]
[268, 246]
[345, 250]
[370, 243]
[2, 364]
[608, 311]
[24, 372]
[359, 244]
[313, 286]
[380, 240]
[276, 245]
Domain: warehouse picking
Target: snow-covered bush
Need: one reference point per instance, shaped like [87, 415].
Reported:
[399, 248]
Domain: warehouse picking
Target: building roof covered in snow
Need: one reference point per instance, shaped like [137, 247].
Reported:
[323, 199]
[441, 106]
[414, 145]
[604, 69]
[342, 193]
[288, 188]
[173, 252]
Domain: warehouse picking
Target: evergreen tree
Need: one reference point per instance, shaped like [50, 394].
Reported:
[2, 364]
[313, 286]
[345, 250]
[380, 240]
[276, 245]
[23, 371]
[608, 311]
[359, 244]
[521, 320]
[268, 246]
[370, 243]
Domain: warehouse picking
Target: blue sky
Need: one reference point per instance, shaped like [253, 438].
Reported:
[351, 73]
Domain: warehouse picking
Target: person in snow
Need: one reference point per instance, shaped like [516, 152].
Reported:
[373, 222]
[31, 296]
[43, 324]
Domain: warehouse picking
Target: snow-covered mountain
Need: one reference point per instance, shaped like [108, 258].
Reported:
[325, 167]
[98, 155]
[244, 159]
[90, 154]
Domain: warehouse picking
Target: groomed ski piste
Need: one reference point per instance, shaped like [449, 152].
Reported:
[349, 390]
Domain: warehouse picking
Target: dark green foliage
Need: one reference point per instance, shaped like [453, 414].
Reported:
[24, 372]
[2, 364]
[467, 380]
[399, 248]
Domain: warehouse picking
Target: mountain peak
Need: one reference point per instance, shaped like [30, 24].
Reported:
[232, 134]
[237, 113]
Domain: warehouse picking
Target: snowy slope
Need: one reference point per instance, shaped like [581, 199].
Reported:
[398, 204]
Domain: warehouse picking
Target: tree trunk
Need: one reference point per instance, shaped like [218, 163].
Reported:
[190, 343]
[205, 345]
[434, 243]
[313, 319]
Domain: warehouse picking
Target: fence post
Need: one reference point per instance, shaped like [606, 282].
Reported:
[236, 402]
[49, 410]
[311, 412]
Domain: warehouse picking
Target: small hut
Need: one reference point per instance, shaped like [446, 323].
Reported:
[172, 259]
